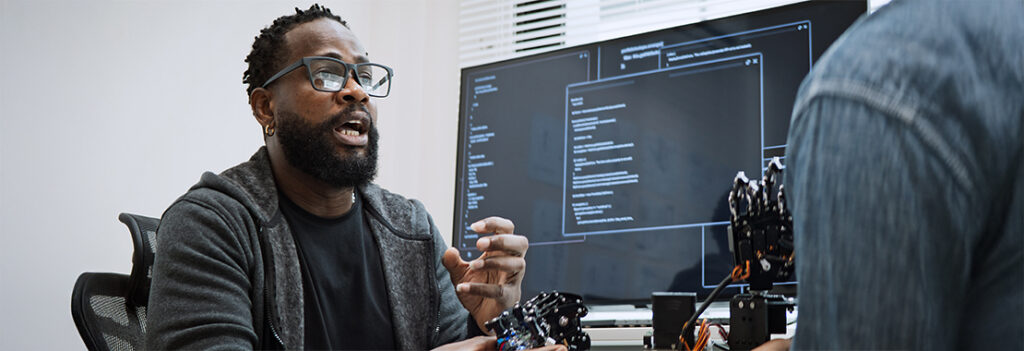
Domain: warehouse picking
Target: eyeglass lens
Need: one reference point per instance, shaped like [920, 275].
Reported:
[328, 75]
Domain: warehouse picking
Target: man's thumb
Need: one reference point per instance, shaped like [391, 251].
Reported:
[451, 259]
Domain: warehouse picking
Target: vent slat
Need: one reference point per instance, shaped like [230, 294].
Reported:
[494, 30]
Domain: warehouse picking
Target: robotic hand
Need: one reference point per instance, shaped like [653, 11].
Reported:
[761, 241]
[761, 233]
[547, 319]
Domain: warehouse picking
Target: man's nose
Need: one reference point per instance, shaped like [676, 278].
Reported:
[353, 92]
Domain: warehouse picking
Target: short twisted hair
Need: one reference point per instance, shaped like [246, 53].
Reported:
[268, 50]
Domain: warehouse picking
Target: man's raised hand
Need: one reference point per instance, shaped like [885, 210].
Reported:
[491, 283]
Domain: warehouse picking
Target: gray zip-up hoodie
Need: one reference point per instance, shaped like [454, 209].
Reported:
[226, 275]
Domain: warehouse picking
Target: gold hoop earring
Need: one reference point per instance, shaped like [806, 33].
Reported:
[268, 130]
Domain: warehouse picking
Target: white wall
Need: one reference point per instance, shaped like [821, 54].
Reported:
[113, 106]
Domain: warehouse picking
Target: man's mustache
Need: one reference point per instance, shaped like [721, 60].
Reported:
[343, 116]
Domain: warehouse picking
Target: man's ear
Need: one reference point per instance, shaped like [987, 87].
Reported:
[262, 103]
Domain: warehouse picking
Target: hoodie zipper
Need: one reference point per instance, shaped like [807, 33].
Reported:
[437, 324]
[266, 298]
[270, 320]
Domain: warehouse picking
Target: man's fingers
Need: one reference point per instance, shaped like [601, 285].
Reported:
[451, 259]
[509, 264]
[480, 289]
[495, 225]
[513, 245]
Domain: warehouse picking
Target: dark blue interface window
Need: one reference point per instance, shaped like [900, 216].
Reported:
[615, 158]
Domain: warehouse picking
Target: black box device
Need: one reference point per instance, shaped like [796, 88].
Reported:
[670, 311]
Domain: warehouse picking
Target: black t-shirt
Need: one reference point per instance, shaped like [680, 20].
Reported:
[346, 301]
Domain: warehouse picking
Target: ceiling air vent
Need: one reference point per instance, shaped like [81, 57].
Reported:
[540, 24]
[491, 30]
[495, 30]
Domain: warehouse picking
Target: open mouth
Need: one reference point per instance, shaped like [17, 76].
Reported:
[355, 131]
[354, 127]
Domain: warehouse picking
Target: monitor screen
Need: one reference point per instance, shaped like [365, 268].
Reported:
[615, 158]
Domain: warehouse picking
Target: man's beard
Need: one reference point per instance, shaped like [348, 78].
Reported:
[312, 149]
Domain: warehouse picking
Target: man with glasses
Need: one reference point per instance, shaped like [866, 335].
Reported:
[296, 248]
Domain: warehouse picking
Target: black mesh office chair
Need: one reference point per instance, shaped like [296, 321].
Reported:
[109, 309]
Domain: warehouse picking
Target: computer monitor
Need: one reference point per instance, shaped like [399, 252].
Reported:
[614, 158]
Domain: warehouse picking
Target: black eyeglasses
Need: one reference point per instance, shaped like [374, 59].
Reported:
[329, 74]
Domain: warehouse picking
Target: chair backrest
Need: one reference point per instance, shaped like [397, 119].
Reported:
[143, 230]
[109, 309]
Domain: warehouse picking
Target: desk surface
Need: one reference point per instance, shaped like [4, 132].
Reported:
[632, 338]
[630, 316]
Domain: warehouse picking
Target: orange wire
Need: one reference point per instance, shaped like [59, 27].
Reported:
[707, 333]
[747, 273]
[736, 272]
[682, 340]
[702, 336]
